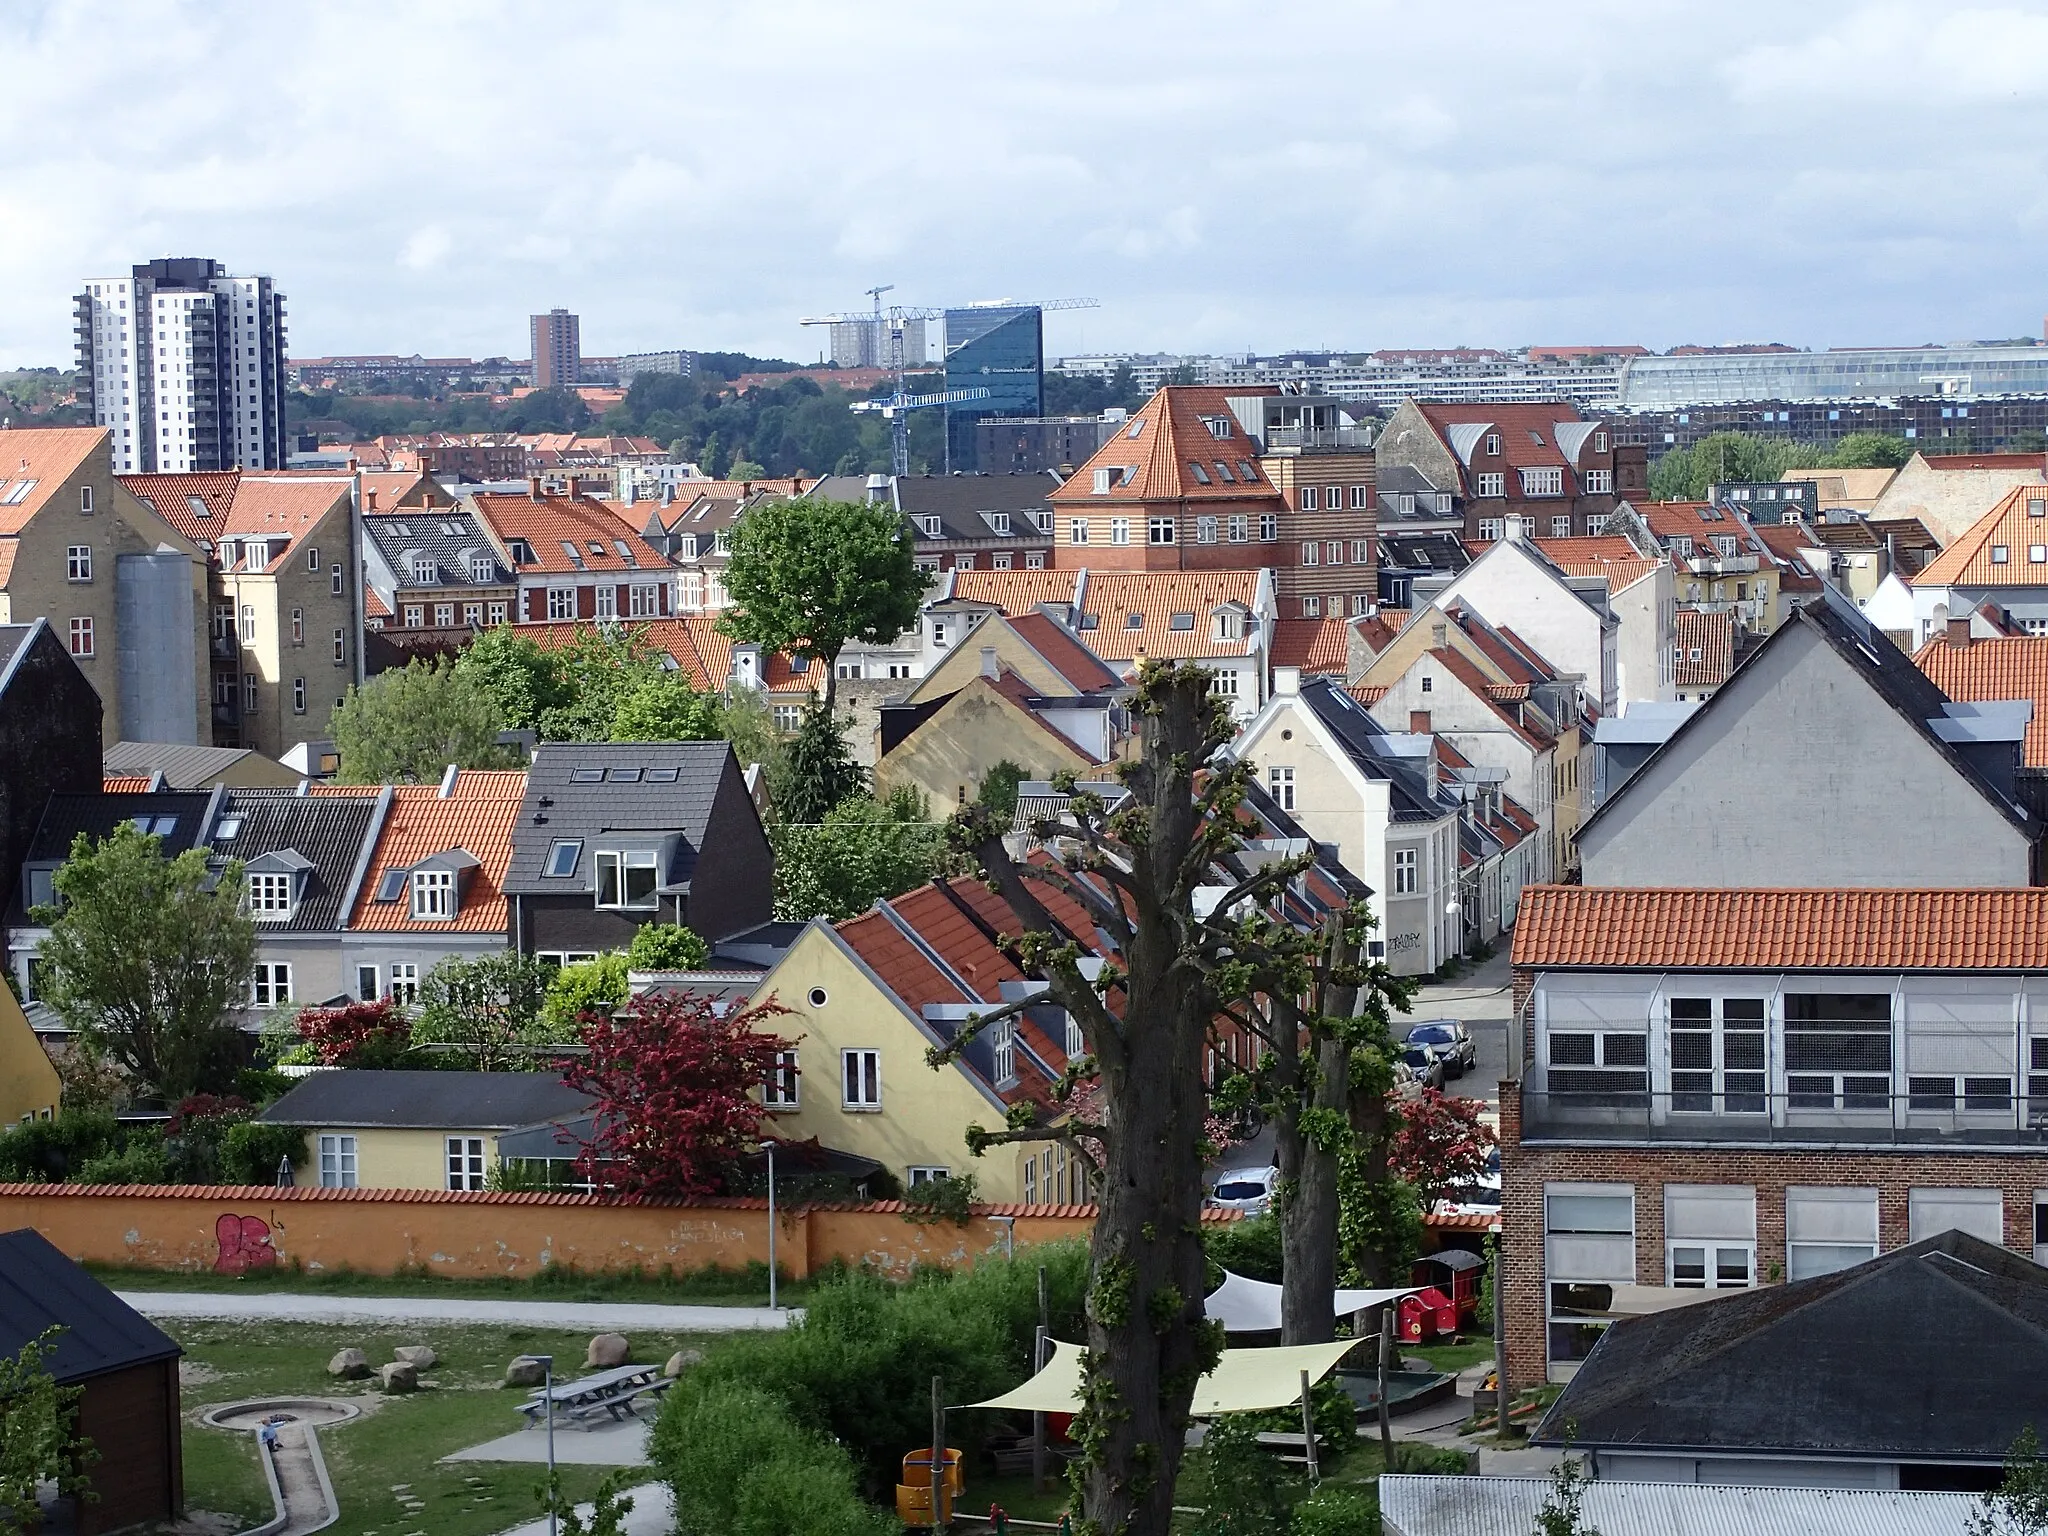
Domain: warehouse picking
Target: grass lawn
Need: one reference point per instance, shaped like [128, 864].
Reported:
[1453, 1357]
[705, 1287]
[398, 1441]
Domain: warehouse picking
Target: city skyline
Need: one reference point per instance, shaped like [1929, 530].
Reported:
[1639, 174]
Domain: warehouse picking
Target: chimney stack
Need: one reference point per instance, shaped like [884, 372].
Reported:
[1959, 632]
[1418, 721]
[990, 668]
[533, 486]
[370, 499]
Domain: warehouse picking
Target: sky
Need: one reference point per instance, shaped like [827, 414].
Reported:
[1221, 177]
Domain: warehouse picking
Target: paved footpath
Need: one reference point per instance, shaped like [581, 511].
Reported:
[597, 1316]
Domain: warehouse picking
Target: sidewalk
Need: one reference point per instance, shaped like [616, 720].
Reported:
[597, 1316]
[652, 1514]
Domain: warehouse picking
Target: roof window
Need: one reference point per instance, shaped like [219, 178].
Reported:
[1137, 428]
[597, 546]
[226, 829]
[198, 506]
[623, 775]
[1223, 472]
[403, 530]
[1183, 621]
[2001, 554]
[392, 885]
[562, 858]
[1134, 621]
[1246, 472]
[160, 826]
[1201, 475]
[1091, 621]
[586, 775]
[522, 552]
[661, 775]
[17, 493]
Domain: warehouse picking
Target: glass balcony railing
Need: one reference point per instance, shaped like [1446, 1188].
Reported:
[1845, 1110]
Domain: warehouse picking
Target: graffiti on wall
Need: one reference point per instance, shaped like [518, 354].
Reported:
[244, 1245]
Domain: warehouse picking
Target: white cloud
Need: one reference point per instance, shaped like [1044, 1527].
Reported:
[427, 247]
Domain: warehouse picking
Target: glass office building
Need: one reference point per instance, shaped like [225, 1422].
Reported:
[999, 348]
[1651, 383]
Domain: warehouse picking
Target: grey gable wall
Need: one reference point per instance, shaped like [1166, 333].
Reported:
[1800, 774]
[732, 888]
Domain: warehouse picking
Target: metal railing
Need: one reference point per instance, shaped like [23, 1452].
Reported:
[1840, 1118]
[1319, 437]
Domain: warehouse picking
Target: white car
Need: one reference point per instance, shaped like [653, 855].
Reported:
[1245, 1189]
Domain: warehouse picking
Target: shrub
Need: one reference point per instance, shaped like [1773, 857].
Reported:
[50, 1151]
[1337, 1512]
[1244, 1491]
[356, 1035]
[251, 1150]
[739, 1466]
[140, 1162]
[949, 1199]
[667, 947]
[1250, 1248]
[588, 986]
[1335, 1416]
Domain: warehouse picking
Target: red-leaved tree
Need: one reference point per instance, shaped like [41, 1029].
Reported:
[1442, 1144]
[359, 1035]
[671, 1076]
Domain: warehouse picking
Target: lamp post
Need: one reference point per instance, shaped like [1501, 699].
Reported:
[769, 1148]
[547, 1365]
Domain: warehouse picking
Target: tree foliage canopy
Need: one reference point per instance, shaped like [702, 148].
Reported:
[488, 1014]
[407, 725]
[36, 1441]
[1684, 474]
[862, 851]
[145, 957]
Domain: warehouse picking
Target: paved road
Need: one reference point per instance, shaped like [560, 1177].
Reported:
[597, 1316]
[1483, 1000]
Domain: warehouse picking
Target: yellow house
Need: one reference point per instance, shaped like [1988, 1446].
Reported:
[29, 1088]
[416, 1130]
[870, 997]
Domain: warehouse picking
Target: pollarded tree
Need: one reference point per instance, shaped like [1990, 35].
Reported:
[807, 577]
[1146, 1016]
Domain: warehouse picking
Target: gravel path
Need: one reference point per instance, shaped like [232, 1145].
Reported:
[598, 1316]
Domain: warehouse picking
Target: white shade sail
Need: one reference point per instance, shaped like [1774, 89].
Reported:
[1253, 1306]
[1244, 1380]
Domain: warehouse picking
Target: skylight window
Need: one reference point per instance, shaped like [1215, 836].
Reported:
[623, 775]
[562, 858]
[1223, 473]
[1137, 428]
[198, 506]
[1183, 621]
[227, 829]
[403, 530]
[586, 775]
[1245, 470]
[661, 775]
[597, 546]
[392, 885]
[1201, 475]
[17, 493]
[1134, 621]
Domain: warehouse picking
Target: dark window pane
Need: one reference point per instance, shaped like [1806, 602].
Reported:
[1571, 1050]
[1625, 1050]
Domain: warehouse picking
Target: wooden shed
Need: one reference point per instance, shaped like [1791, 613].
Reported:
[125, 1367]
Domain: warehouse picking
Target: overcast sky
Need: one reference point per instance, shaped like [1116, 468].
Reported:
[420, 176]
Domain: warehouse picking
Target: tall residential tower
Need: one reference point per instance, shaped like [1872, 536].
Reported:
[185, 366]
[557, 350]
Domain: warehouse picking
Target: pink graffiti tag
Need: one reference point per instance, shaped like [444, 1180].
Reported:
[244, 1245]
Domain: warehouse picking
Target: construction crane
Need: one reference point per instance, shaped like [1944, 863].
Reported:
[897, 408]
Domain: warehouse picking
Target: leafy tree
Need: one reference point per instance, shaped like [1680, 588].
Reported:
[1563, 1512]
[409, 724]
[1870, 450]
[521, 680]
[600, 667]
[998, 789]
[51, 1151]
[588, 986]
[746, 470]
[818, 770]
[2018, 1506]
[862, 851]
[746, 721]
[252, 1149]
[38, 1442]
[666, 707]
[807, 577]
[145, 957]
[488, 1013]
[1379, 1221]
[1244, 1493]
[667, 947]
[672, 1076]
[368, 1034]
[1441, 1144]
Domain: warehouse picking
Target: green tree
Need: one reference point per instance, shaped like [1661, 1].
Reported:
[2018, 1506]
[807, 577]
[488, 1013]
[667, 947]
[1870, 450]
[862, 851]
[521, 680]
[408, 725]
[998, 789]
[588, 986]
[1563, 1512]
[145, 957]
[746, 470]
[665, 707]
[600, 667]
[818, 770]
[745, 720]
[38, 1442]
[1243, 1493]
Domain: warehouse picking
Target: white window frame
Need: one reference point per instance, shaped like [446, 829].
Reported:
[337, 1154]
[1120, 531]
[1077, 530]
[1280, 784]
[83, 641]
[623, 862]
[270, 983]
[464, 1161]
[860, 1070]
[433, 894]
[926, 1173]
[1492, 529]
[1407, 867]
[78, 562]
[1825, 1227]
[270, 897]
[783, 1088]
[561, 604]
[403, 987]
[1493, 484]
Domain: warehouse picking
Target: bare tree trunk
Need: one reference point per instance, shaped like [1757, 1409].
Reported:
[1308, 1223]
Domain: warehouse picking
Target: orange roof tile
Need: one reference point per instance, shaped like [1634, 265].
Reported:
[280, 507]
[1016, 592]
[2033, 461]
[34, 462]
[1166, 451]
[478, 817]
[126, 783]
[171, 496]
[1599, 927]
[677, 638]
[2006, 547]
[1618, 560]
[8, 549]
[900, 965]
[550, 522]
[1314, 645]
[1111, 597]
[375, 606]
[1987, 670]
[1712, 636]
[1063, 653]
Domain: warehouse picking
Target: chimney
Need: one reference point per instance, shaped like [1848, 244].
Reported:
[533, 486]
[990, 669]
[1418, 721]
[370, 499]
[1513, 530]
[1959, 632]
[1286, 682]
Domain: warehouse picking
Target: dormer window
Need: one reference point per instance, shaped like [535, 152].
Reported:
[259, 555]
[482, 571]
[999, 522]
[1225, 624]
[423, 571]
[626, 879]
[1003, 1047]
[522, 552]
[928, 526]
[686, 547]
[1077, 1047]
[270, 897]
[433, 893]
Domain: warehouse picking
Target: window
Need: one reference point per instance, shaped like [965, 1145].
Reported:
[643, 602]
[625, 880]
[1709, 1236]
[1031, 1179]
[405, 984]
[1361, 551]
[1361, 494]
[1105, 481]
[1491, 527]
[1838, 1050]
[782, 1088]
[1223, 684]
[465, 1162]
[270, 896]
[1589, 1244]
[1979, 1212]
[433, 893]
[1493, 485]
[860, 1080]
[607, 602]
[495, 610]
[1077, 530]
[81, 637]
[2037, 506]
[1599, 482]
[415, 616]
[473, 615]
[1600, 441]
[1311, 554]
[1269, 527]
[1003, 1050]
[1311, 607]
[1201, 475]
[1159, 530]
[1239, 528]
[1828, 1229]
[1543, 481]
[1307, 498]
[340, 647]
[424, 571]
[85, 498]
[1119, 530]
[2001, 554]
[1333, 552]
[1034, 560]
[1407, 871]
[562, 857]
[334, 580]
[1717, 1055]
[561, 602]
[1279, 783]
[270, 984]
[1605, 1059]
[788, 717]
[78, 563]
[1493, 445]
[444, 615]
[1205, 530]
[1561, 527]
[337, 1162]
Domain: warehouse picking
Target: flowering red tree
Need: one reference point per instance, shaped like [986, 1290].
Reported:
[358, 1035]
[671, 1075]
[204, 1106]
[1442, 1144]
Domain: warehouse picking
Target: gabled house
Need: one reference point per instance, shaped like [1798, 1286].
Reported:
[49, 735]
[438, 574]
[1948, 492]
[1642, 595]
[2001, 558]
[1794, 773]
[1702, 654]
[612, 836]
[989, 522]
[29, 1086]
[194, 767]
[1566, 619]
[572, 557]
[1721, 562]
[1978, 670]
[432, 882]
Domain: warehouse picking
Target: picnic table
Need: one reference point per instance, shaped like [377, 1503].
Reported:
[614, 1392]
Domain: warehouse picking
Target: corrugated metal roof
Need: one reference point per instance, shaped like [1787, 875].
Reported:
[1507, 1506]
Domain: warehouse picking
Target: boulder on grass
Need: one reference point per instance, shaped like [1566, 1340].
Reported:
[349, 1365]
[399, 1376]
[419, 1356]
[525, 1372]
[681, 1361]
[607, 1350]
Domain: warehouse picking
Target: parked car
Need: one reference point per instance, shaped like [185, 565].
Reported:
[1245, 1189]
[1481, 1197]
[1447, 1040]
[1407, 1086]
[1427, 1066]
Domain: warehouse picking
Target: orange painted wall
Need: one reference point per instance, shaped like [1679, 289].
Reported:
[194, 1227]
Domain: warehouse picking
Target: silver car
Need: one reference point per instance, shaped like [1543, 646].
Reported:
[1448, 1041]
[1245, 1189]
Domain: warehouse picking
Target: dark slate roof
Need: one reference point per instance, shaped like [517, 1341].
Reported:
[96, 815]
[427, 1100]
[447, 536]
[183, 766]
[1936, 1352]
[329, 830]
[14, 643]
[1364, 741]
[1422, 552]
[39, 1288]
[960, 500]
[624, 801]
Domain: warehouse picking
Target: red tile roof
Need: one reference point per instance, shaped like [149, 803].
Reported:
[1991, 669]
[1112, 597]
[126, 783]
[1016, 592]
[549, 522]
[676, 638]
[1483, 688]
[44, 457]
[1589, 927]
[2011, 527]
[289, 508]
[1528, 433]
[1712, 635]
[171, 497]
[1314, 645]
[374, 606]
[1167, 452]
[478, 817]
[2034, 461]
[1063, 653]
[1618, 560]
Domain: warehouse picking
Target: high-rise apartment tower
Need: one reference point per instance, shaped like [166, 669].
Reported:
[557, 351]
[184, 366]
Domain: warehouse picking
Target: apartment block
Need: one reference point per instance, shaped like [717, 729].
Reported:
[557, 350]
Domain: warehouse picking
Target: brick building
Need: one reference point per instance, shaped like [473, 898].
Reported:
[574, 558]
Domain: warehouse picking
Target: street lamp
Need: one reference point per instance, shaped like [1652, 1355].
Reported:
[547, 1365]
[769, 1148]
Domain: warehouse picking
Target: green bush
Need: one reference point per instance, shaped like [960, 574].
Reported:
[1335, 1414]
[1243, 1490]
[587, 986]
[250, 1151]
[1337, 1512]
[140, 1162]
[50, 1151]
[667, 947]
[739, 1466]
[1250, 1248]
[949, 1199]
